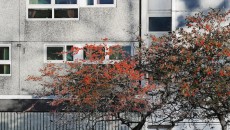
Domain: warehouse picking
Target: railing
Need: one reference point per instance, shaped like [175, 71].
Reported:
[55, 121]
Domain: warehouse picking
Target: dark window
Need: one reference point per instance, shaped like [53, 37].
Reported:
[4, 69]
[105, 2]
[90, 2]
[160, 23]
[40, 13]
[66, 13]
[69, 56]
[119, 52]
[40, 2]
[65, 1]
[55, 53]
[4, 53]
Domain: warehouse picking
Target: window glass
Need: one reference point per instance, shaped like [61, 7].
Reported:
[55, 53]
[66, 13]
[94, 53]
[4, 69]
[40, 1]
[119, 52]
[4, 53]
[40, 13]
[90, 2]
[160, 23]
[65, 1]
[105, 1]
[69, 56]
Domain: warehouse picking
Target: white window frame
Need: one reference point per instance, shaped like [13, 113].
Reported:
[107, 60]
[83, 3]
[121, 44]
[77, 56]
[2, 62]
[51, 6]
[159, 14]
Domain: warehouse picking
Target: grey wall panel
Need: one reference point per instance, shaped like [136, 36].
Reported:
[94, 23]
[9, 20]
[9, 84]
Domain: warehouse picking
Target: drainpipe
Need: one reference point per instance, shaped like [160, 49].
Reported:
[140, 26]
[140, 4]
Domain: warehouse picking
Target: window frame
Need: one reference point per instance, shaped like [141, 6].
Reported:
[80, 55]
[51, 6]
[159, 14]
[83, 3]
[8, 62]
[106, 59]
[122, 45]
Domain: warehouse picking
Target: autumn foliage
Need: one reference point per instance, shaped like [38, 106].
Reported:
[188, 69]
[193, 65]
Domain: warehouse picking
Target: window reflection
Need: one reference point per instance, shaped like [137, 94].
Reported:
[160, 23]
[40, 1]
[65, 1]
[40, 13]
[66, 13]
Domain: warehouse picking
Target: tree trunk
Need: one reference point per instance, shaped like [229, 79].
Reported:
[223, 123]
[140, 125]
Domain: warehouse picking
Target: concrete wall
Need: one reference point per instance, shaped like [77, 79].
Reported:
[9, 20]
[117, 23]
[94, 23]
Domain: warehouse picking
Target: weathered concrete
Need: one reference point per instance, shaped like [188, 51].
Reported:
[9, 20]
[94, 23]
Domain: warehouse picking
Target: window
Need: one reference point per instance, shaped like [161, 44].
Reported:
[52, 9]
[58, 53]
[92, 52]
[55, 53]
[160, 24]
[5, 60]
[98, 3]
[89, 53]
[69, 54]
[105, 2]
[159, 17]
[119, 52]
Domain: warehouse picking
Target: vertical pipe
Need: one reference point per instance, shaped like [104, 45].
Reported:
[140, 41]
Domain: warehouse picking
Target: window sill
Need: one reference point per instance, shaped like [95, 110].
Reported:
[50, 19]
[5, 75]
[99, 6]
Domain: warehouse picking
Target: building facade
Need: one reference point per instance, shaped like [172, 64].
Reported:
[33, 30]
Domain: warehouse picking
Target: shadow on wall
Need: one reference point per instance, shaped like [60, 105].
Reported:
[181, 21]
[192, 5]
[132, 29]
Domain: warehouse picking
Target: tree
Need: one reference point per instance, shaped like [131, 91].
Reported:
[188, 72]
[89, 86]
[192, 66]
